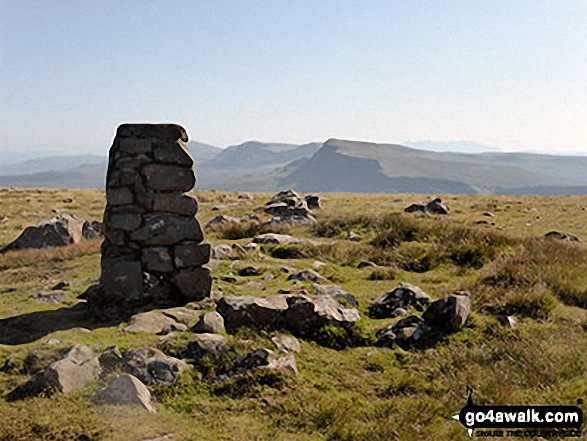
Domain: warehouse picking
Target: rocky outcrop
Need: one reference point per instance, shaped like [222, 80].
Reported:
[74, 371]
[152, 253]
[287, 206]
[62, 230]
[399, 301]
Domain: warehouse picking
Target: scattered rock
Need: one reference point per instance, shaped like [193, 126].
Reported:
[317, 264]
[433, 207]
[176, 327]
[306, 314]
[266, 359]
[249, 271]
[509, 321]
[449, 314]
[484, 222]
[209, 323]
[252, 246]
[8, 367]
[286, 343]
[562, 236]
[405, 333]
[287, 206]
[354, 237]
[222, 220]
[126, 390]
[58, 231]
[443, 316]
[91, 230]
[60, 285]
[221, 252]
[152, 366]
[111, 360]
[414, 208]
[228, 279]
[337, 293]
[405, 296]
[245, 196]
[182, 314]
[488, 214]
[307, 274]
[313, 202]
[74, 371]
[50, 298]
[151, 322]
[366, 264]
[250, 311]
[280, 239]
[206, 344]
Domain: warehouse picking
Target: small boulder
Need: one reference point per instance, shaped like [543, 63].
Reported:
[74, 371]
[58, 231]
[307, 274]
[286, 343]
[212, 345]
[209, 323]
[221, 220]
[221, 252]
[250, 311]
[279, 239]
[151, 322]
[562, 236]
[248, 271]
[152, 366]
[313, 202]
[449, 314]
[366, 264]
[126, 390]
[436, 206]
[405, 296]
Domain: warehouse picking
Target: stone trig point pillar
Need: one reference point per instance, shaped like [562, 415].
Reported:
[152, 254]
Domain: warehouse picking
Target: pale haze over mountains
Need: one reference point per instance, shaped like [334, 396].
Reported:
[338, 166]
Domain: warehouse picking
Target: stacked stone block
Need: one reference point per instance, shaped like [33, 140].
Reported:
[152, 253]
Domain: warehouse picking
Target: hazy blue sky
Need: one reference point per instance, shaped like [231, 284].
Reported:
[507, 73]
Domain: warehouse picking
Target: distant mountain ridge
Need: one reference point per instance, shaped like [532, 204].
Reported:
[341, 166]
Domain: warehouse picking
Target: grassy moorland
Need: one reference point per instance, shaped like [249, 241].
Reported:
[357, 391]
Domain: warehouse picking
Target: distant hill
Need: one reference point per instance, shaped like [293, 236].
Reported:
[338, 166]
[452, 146]
[203, 152]
[367, 167]
[82, 176]
[49, 163]
[255, 154]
